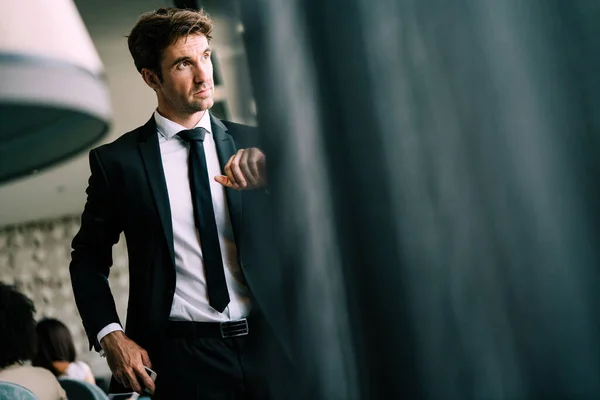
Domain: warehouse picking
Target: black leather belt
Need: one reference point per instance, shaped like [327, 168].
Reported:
[225, 330]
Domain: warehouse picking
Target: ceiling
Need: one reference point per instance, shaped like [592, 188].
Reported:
[60, 190]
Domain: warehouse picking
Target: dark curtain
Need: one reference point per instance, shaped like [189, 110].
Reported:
[433, 172]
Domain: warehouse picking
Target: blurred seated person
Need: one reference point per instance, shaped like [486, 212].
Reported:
[17, 346]
[56, 352]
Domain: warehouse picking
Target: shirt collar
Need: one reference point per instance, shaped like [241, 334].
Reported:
[168, 128]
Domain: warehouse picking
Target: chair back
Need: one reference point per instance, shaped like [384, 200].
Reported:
[81, 390]
[12, 391]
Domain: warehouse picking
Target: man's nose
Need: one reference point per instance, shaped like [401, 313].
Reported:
[202, 74]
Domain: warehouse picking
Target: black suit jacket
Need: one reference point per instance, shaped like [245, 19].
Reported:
[127, 193]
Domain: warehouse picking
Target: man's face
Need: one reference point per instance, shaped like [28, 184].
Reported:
[187, 86]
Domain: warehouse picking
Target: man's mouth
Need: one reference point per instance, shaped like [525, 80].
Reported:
[202, 91]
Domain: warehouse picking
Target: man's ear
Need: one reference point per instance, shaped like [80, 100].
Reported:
[150, 78]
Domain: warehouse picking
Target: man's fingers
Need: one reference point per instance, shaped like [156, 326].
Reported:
[236, 172]
[228, 171]
[119, 378]
[127, 360]
[244, 161]
[225, 181]
[145, 359]
[145, 378]
[253, 167]
[244, 170]
[132, 379]
[253, 162]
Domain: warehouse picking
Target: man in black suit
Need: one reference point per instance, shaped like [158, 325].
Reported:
[178, 187]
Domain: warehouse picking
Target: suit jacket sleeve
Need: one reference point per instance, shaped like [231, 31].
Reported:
[91, 257]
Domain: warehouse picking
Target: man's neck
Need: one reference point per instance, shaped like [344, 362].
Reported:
[188, 120]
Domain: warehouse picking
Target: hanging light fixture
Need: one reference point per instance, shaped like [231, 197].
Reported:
[54, 101]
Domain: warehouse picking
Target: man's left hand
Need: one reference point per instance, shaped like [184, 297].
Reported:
[246, 169]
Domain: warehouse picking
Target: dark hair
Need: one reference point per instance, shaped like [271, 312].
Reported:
[17, 326]
[54, 343]
[156, 30]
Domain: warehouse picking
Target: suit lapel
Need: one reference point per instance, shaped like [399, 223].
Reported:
[225, 149]
[150, 152]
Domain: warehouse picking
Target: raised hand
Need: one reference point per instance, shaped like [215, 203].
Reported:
[245, 170]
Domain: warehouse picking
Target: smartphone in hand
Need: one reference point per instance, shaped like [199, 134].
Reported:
[150, 373]
[122, 396]
[133, 395]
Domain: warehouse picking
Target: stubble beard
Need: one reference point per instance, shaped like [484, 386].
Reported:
[195, 106]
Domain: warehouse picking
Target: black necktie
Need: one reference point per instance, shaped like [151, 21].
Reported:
[204, 215]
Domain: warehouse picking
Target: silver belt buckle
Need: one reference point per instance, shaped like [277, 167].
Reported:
[236, 328]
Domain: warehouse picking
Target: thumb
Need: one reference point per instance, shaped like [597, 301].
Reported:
[223, 180]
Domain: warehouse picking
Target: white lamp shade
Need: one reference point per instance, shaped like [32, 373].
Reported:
[54, 101]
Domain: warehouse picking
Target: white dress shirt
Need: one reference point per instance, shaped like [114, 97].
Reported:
[190, 301]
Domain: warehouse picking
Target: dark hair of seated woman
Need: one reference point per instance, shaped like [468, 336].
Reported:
[18, 346]
[17, 335]
[56, 351]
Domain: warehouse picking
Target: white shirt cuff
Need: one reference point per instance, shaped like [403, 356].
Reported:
[105, 331]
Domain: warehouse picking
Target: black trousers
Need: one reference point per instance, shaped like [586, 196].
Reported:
[210, 368]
